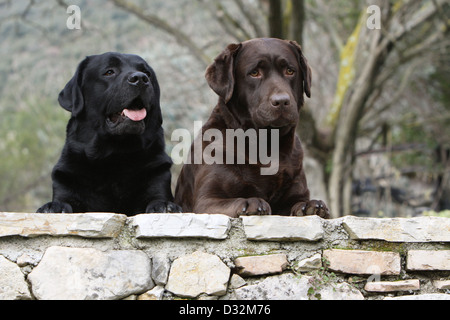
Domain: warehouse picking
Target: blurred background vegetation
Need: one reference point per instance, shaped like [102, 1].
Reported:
[376, 131]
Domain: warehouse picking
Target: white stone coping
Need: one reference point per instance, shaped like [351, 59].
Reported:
[278, 228]
[420, 229]
[88, 225]
[181, 225]
[214, 226]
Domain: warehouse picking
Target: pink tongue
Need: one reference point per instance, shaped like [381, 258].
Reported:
[135, 115]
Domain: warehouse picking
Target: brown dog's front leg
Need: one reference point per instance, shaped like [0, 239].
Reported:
[234, 207]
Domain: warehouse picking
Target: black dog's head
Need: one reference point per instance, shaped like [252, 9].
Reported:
[116, 94]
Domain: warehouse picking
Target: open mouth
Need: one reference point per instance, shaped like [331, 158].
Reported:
[135, 112]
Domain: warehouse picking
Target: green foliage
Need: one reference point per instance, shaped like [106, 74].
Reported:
[440, 84]
[411, 131]
[28, 149]
[442, 214]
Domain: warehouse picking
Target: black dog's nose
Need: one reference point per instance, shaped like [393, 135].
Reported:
[138, 79]
[280, 100]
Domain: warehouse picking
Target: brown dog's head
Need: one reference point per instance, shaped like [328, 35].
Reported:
[263, 80]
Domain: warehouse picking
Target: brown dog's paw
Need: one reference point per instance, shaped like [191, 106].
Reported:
[253, 207]
[311, 208]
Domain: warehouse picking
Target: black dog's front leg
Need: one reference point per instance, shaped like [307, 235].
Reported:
[161, 206]
[160, 194]
[55, 207]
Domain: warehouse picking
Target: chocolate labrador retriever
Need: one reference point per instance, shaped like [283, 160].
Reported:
[260, 84]
[114, 157]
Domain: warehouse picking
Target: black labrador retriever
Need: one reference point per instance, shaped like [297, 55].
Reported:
[114, 157]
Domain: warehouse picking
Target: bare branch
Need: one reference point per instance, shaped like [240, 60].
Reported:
[417, 19]
[327, 23]
[259, 32]
[157, 22]
[226, 20]
[398, 95]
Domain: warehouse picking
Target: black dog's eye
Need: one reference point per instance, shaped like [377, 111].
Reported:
[109, 73]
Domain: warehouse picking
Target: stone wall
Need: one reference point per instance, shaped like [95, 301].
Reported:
[187, 256]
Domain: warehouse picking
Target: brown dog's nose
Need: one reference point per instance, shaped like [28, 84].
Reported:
[138, 79]
[280, 100]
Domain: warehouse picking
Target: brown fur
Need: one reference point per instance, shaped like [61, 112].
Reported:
[267, 98]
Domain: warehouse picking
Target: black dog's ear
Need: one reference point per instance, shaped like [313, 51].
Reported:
[71, 97]
[220, 74]
[306, 70]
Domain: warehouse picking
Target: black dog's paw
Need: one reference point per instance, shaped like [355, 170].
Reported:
[55, 207]
[160, 206]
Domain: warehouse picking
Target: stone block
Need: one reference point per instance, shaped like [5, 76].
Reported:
[429, 296]
[90, 274]
[309, 264]
[363, 262]
[155, 294]
[428, 260]
[212, 226]
[290, 287]
[442, 284]
[421, 229]
[261, 265]
[279, 228]
[392, 286]
[12, 282]
[198, 273]
[160, 269]
[88, 225]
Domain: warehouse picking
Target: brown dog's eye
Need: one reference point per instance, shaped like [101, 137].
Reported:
[255, 73]
[290, 71]
[109, 73]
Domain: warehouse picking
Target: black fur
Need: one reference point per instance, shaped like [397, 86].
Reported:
[111, 163]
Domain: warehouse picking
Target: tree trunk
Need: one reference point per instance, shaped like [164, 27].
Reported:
[349, 116]
[276, 19]
[297, 21]
[371, 55]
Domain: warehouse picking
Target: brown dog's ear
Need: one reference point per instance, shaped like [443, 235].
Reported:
[306, 70]
[220, 74]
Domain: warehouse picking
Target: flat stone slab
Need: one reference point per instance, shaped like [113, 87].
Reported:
[88, 225]
[309, 264]
[430, 296]
[260, 265]
[393, 286]
[442, 284]
[421, 229]
[279, 228]
[428, 260]
[186, 225]
[363, 262]
[90, 274]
